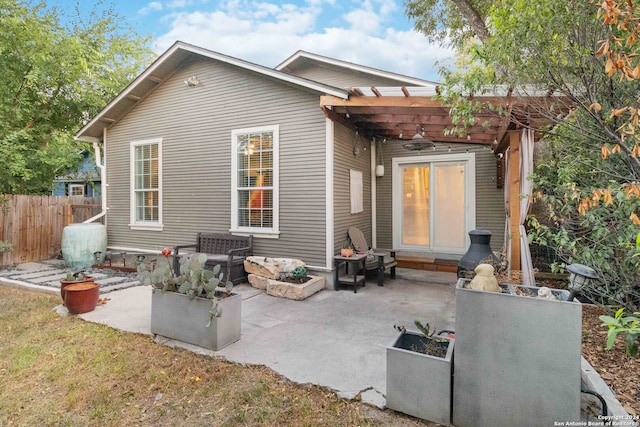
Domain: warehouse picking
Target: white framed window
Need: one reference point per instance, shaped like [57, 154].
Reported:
[254, 181]
[146, 184]
[356, 189]
[434, 203]
[76, 189]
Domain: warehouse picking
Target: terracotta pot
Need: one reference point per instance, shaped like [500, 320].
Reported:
[346, 252]
[65, 283]
[81, 297]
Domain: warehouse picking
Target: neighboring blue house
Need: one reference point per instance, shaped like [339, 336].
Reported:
[85, 181]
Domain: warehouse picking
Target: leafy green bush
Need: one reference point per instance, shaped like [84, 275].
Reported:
[5, 246]
[584, 226]
[619, 324]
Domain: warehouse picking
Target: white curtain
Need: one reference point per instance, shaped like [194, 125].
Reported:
[507, 212]
[526, 168]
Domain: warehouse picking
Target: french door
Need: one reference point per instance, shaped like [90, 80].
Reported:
[434, 203]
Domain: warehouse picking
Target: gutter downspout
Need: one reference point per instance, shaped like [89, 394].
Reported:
[103, 179]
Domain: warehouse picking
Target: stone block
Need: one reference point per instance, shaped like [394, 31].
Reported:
[295, 291]
[257, 282]
[271, 268]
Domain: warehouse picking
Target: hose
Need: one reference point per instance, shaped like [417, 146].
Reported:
[605, 409]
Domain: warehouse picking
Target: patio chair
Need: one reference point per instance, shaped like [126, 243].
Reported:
[378, 259]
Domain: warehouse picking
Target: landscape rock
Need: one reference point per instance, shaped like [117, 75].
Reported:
[257, 282]
[271, 268]
[295, 291]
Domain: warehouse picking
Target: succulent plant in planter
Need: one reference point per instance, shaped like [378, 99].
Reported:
[419, 374]
[297, 275]
[193, 280]
[433, 345]
[182, 302]
[73, 278]
[347, 248]
[196, 281]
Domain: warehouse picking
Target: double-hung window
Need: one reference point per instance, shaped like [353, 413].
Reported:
[146, 184]
[254, 182]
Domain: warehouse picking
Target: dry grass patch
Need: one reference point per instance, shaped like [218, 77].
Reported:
[64, 371]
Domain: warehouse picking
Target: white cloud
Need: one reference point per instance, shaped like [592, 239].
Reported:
[154, 6]
[367, 21]
[179, 4]
[268, 34]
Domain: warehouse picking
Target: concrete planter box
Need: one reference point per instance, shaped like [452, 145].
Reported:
[517, 358]
[174, 315]
[418, 384]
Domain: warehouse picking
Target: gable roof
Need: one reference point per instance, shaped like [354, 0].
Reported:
[164, 67]
[302, 59]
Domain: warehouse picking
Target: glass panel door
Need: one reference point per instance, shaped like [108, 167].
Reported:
[449, 206]
[415, 205]
[434, 203]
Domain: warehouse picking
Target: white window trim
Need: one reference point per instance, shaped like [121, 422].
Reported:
[274, 232]
[470, 200]
[72, 186]
[146, 225]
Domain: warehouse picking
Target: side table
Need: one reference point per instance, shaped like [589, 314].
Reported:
[356, 262]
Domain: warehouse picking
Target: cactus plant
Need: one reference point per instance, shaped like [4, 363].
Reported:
[432, 345]
[193, 280]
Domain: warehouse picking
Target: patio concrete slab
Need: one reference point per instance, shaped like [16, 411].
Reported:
[338, 338]
[127, 309]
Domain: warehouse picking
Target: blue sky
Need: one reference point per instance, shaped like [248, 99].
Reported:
[375, 33]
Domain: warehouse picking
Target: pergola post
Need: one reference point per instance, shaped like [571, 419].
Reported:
[514, 198]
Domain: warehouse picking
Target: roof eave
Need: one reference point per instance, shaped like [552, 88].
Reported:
[355, 67]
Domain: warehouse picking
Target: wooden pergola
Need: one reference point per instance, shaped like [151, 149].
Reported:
[394, 113]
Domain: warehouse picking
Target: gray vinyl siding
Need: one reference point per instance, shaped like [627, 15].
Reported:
[341, 77]
[489, 199]
[344, 161]
[195, 124]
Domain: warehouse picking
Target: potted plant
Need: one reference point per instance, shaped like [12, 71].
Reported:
[72, 279]
[296, 284]
[194, 306]
[347, 248]
[81, 297]
[419, 370]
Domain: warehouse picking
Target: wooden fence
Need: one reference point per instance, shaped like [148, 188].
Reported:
[34, 224]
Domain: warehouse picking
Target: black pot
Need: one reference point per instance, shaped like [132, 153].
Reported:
[479, 250]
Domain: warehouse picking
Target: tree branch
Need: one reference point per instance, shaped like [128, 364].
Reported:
[473, 19]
